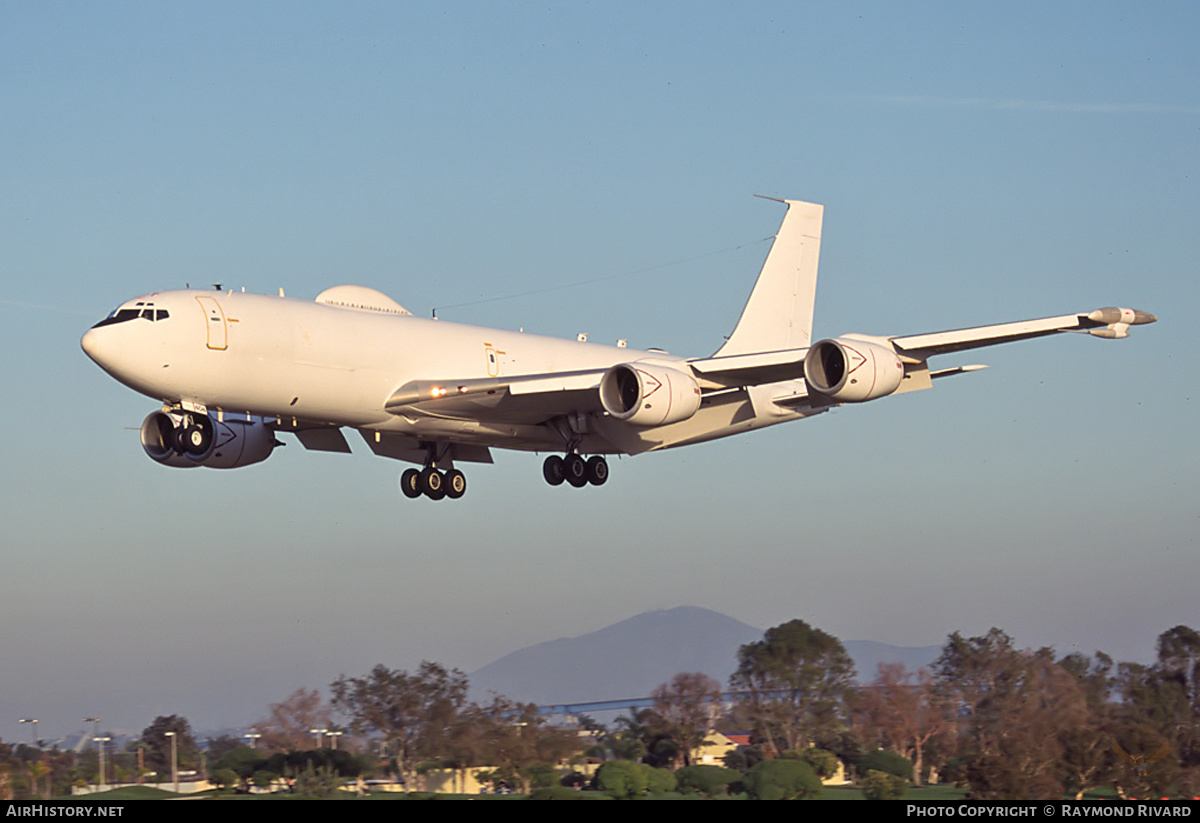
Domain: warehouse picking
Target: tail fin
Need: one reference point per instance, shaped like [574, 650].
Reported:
[779, 313]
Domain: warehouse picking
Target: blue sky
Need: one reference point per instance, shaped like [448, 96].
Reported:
[978, 164]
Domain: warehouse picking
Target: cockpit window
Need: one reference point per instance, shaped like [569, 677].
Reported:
[146, 311]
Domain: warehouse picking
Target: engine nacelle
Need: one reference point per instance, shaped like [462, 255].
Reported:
[200, 440]
[852, 370]
[647, 394]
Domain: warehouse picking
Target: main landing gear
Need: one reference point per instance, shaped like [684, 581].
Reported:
[575, 470]
[433, 484]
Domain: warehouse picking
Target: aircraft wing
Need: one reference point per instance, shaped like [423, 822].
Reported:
[1107, 322]
[532, 398]
[536, 398]
[788, 364]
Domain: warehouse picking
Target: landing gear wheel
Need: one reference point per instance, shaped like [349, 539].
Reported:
[196, 439]
[597, 470]
[456, 484]
[433, 484]
[553, 470]
[410, 483]
[576, 470]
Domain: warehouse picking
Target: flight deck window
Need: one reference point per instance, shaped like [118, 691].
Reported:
[122, 315]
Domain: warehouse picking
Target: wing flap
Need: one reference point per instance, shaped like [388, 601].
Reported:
[323, 439]
[750, 369]
[532, 398]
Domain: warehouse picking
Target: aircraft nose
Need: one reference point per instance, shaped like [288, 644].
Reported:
[97, 345]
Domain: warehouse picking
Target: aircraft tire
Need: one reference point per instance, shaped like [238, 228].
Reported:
[433, 484]
[597, 470]
[553, 470]
[410, 483]
[456, 484]
[179, 439]
[576, 470]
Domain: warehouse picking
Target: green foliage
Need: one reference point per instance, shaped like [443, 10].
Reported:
[321, 781]
[575, 780]
[797, 680]
[710, 781]
[886, 762]
[743, 758]
[243, 761]
[879, 785]
[542, 775]
[413, 712]
[659, 781]
[222, 778]
[623, 779]
[782, 780]
[556, 793]
[158, 745]
[339, 762]
[823, 762]
[626, 780]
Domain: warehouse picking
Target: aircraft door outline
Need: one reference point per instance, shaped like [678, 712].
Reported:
[216, 329]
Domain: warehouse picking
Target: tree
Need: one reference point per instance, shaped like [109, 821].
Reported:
[158, 745]
[626, 780]
[1179, 665]
[514, 738]
[879, 785]
[288, 725]
[904, 716]
[782, 780]
[37, 770]
[708, 780]
[415, 713]
[687, 708]
[1089, 759]
[823, 761]
[242, 761]
[796, 681]
[1019, 708]
[623, 779]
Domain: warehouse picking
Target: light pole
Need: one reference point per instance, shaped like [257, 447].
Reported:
[100, 741]
[316, 733]
[174, 760]
[95, 721]
[335, 736]
[34, 721]
[253, 737]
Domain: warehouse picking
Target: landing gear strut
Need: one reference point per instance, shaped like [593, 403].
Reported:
[575, 470]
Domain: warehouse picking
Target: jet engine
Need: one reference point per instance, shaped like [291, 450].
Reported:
[852, 370]
[184, 441]
[647, 394]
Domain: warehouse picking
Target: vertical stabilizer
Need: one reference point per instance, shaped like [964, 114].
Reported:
[779, 313]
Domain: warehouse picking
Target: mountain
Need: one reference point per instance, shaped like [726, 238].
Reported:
[629, 659]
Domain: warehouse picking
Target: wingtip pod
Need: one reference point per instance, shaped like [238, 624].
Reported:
[1130, 317]
[1117, 321]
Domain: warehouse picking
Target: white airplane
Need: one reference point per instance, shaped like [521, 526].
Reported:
[233, 369]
